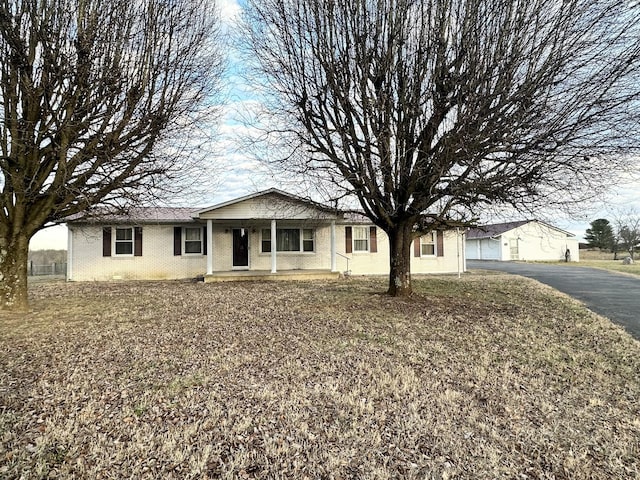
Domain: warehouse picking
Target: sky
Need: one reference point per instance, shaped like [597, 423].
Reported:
[239, 174]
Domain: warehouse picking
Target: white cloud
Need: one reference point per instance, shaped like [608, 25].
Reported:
[229, 10]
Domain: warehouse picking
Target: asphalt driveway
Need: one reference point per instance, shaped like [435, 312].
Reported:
[613, 295]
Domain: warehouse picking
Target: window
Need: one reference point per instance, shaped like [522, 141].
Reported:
[428, 245]
[192, 240]
[266, 240]
[289, 240]
[124, 241]
[307, 240]
[360, 239]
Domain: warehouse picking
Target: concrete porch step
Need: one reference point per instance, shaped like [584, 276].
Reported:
[266, 275]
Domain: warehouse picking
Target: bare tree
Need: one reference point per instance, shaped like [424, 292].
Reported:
[628, 229]
[97, 98]
[429, 110]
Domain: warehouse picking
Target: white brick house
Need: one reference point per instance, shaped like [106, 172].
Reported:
[236, 238]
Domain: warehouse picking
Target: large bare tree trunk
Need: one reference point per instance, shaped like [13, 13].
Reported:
[99, 101]
[14, 252]
[400, 239]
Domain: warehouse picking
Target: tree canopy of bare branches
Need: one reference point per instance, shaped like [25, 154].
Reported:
[627, 223]
[429, 110]
[90, 92]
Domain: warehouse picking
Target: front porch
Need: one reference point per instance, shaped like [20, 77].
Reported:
[266, 275]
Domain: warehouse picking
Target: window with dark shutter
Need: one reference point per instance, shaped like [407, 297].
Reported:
[416, 247]
[124, 241]
[347, 239]
[193, 240]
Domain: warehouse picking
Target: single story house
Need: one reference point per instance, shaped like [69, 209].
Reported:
[521, 240]
[269, 234]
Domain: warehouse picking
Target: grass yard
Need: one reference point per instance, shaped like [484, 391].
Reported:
[480, 378]
[604, 260]
[613, 265]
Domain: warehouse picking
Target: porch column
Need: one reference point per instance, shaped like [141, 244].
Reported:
[69, 254]
[274, 247]
[333, 245]
[209, 247]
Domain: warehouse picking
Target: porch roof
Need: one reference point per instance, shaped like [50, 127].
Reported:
[268, 205]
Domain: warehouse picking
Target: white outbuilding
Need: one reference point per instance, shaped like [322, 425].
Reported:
[525, 240]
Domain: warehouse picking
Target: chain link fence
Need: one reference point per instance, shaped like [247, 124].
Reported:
[50, 269]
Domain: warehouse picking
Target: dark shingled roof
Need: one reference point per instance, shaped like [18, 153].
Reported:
[495, 229]
[487, 231]
[140, 215]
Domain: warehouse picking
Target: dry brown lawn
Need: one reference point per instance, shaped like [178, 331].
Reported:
[480, 378]
[605, 261]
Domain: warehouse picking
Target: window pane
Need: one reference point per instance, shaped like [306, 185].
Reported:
[124, 233]
[360, 239]
[307, 240]
[360, 245]
[266, 240]
[192, 233]
[124, 248]
[288, 240]
[360, 233]
[124, 241]
[428, 249]
[428, 244]
[192, 247]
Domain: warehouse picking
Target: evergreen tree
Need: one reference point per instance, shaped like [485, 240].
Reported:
[600, 235]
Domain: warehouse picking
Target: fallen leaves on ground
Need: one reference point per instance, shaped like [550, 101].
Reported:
[483, 377]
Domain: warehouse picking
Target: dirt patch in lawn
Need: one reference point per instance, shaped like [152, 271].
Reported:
[484, 377]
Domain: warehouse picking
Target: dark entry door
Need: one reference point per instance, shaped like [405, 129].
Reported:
[240, 247]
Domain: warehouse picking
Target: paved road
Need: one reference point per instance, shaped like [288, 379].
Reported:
[613, 295]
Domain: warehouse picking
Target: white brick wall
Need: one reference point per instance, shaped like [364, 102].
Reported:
[158, 261]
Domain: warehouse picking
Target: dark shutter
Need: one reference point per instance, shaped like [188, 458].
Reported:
[177, 240]
[440, 243]
[106, 242]
[204, 240]
[137, 242]
[373, 239]
[347, 239]
[416, 247]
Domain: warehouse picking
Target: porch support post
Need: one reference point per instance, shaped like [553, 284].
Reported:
[69, 254]
[333, 245]
[209, 247]
[274, 247]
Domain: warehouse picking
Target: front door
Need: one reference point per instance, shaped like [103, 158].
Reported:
[240, 248]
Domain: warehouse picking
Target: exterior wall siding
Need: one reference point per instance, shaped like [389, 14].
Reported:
[156, 263]
[451, 262]
[533, 241]
[378, 263]
[222, 246]
[539, 242]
